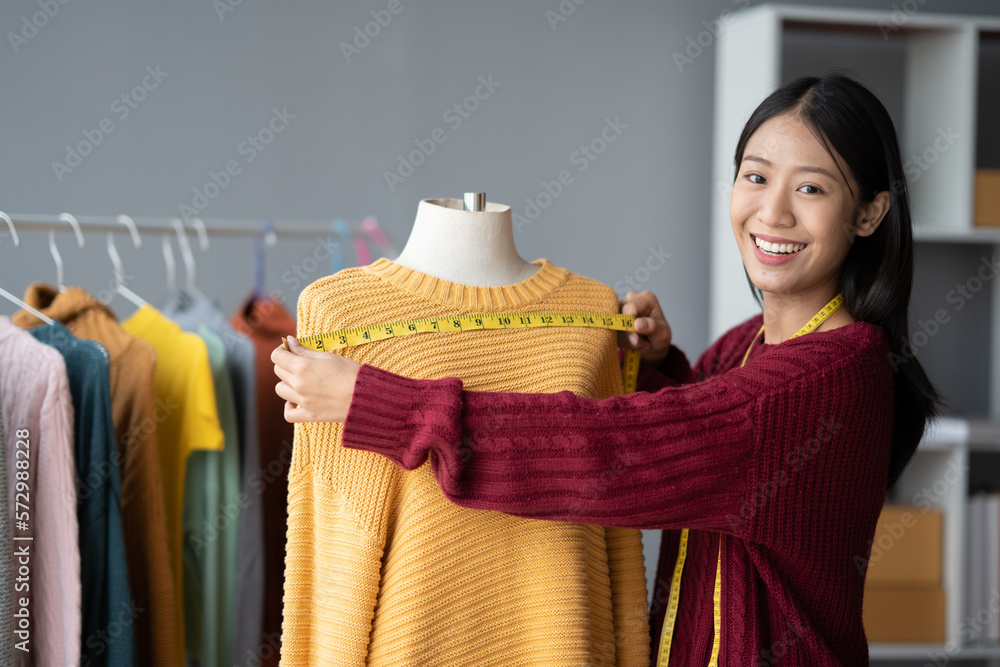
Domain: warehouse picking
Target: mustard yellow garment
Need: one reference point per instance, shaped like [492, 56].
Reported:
[382, 570]
[186, 420]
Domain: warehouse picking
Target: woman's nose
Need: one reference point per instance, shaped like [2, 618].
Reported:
[774, 208]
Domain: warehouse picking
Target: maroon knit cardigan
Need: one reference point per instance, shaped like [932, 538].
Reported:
[784, 461]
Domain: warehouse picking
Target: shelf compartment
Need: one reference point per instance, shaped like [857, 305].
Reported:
[951, 318]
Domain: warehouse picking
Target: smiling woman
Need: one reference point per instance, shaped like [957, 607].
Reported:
[818, 165]
[766, 465]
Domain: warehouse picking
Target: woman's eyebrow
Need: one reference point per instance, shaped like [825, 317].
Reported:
[806, 168]
[818, 170]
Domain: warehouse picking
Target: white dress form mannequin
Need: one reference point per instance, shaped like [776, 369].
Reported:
[473, 248]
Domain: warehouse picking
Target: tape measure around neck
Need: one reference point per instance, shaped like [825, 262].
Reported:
[336, 340]
[673, 601]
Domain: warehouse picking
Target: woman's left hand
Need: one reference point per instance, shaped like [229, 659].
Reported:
[316, 386]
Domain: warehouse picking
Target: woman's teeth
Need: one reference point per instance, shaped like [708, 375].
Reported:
[778, 248]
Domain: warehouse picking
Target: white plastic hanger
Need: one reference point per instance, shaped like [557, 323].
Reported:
[64, 217]
[168, 259]
[202, 231]
[268, 240]
[116, 261]
[187, 257]
[7, 295]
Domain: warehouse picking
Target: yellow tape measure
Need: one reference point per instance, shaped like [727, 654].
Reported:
[673, 601]
[336, 340]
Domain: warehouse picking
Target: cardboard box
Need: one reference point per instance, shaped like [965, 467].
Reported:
[904, 615]
[906, 549]
[987, 205]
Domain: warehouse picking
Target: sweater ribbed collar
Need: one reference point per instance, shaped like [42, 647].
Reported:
[60, 306]
[483, 299]
[753, 325]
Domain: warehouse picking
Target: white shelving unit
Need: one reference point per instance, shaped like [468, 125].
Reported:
[939, 76]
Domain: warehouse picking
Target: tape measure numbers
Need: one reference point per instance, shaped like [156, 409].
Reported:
[336, 340]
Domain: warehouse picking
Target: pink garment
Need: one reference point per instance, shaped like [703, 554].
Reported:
[34, 395]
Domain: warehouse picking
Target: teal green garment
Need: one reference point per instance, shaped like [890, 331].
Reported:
[189, 311]
[106, 633]
[211, 527]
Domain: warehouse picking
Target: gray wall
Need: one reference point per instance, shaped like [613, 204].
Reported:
[651, 187]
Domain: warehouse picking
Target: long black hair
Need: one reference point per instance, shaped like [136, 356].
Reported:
[877, 275]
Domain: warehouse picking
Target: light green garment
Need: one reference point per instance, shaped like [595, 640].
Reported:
[211, 527]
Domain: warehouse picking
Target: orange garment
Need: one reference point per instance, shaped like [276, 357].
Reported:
[381, 569]
[264, 320]
[134, 412]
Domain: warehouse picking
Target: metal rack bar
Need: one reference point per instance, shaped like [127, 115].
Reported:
[150, 225]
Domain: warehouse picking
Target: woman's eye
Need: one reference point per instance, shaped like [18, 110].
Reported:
[756, 178]
[810, 189]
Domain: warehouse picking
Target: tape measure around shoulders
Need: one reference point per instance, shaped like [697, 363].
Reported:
[336, 340]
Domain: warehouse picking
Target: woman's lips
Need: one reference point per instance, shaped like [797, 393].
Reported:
[769, 257]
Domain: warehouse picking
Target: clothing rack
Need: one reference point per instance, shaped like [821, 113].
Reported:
[152, 225]
[263, 230]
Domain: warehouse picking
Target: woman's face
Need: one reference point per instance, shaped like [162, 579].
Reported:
[791, 209]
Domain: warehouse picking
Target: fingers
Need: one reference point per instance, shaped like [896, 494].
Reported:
[294, 414]
[630, 340]
[641, 304]
[285, 391]
[644, 325]
[282, 357]
[284, 374]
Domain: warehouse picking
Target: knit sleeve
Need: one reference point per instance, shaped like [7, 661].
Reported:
[675, 458]
[687, 456]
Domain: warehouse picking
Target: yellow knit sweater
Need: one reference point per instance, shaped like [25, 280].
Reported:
[382, 570]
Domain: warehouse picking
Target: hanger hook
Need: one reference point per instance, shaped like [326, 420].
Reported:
[199, 227]
[63, 217]
[186, 255]
[10, 223]
[270, 236]
[260, 260]
[68, 217]
[57, 258]
[116, 262]
[132, 229]
[168, 259]
[7, 295]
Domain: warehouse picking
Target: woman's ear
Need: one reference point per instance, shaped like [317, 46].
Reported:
[872, 214]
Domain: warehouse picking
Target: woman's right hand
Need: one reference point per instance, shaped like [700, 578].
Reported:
[652, 334]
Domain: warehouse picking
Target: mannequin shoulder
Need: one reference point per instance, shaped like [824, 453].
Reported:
[589, 294]
[331, 299]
